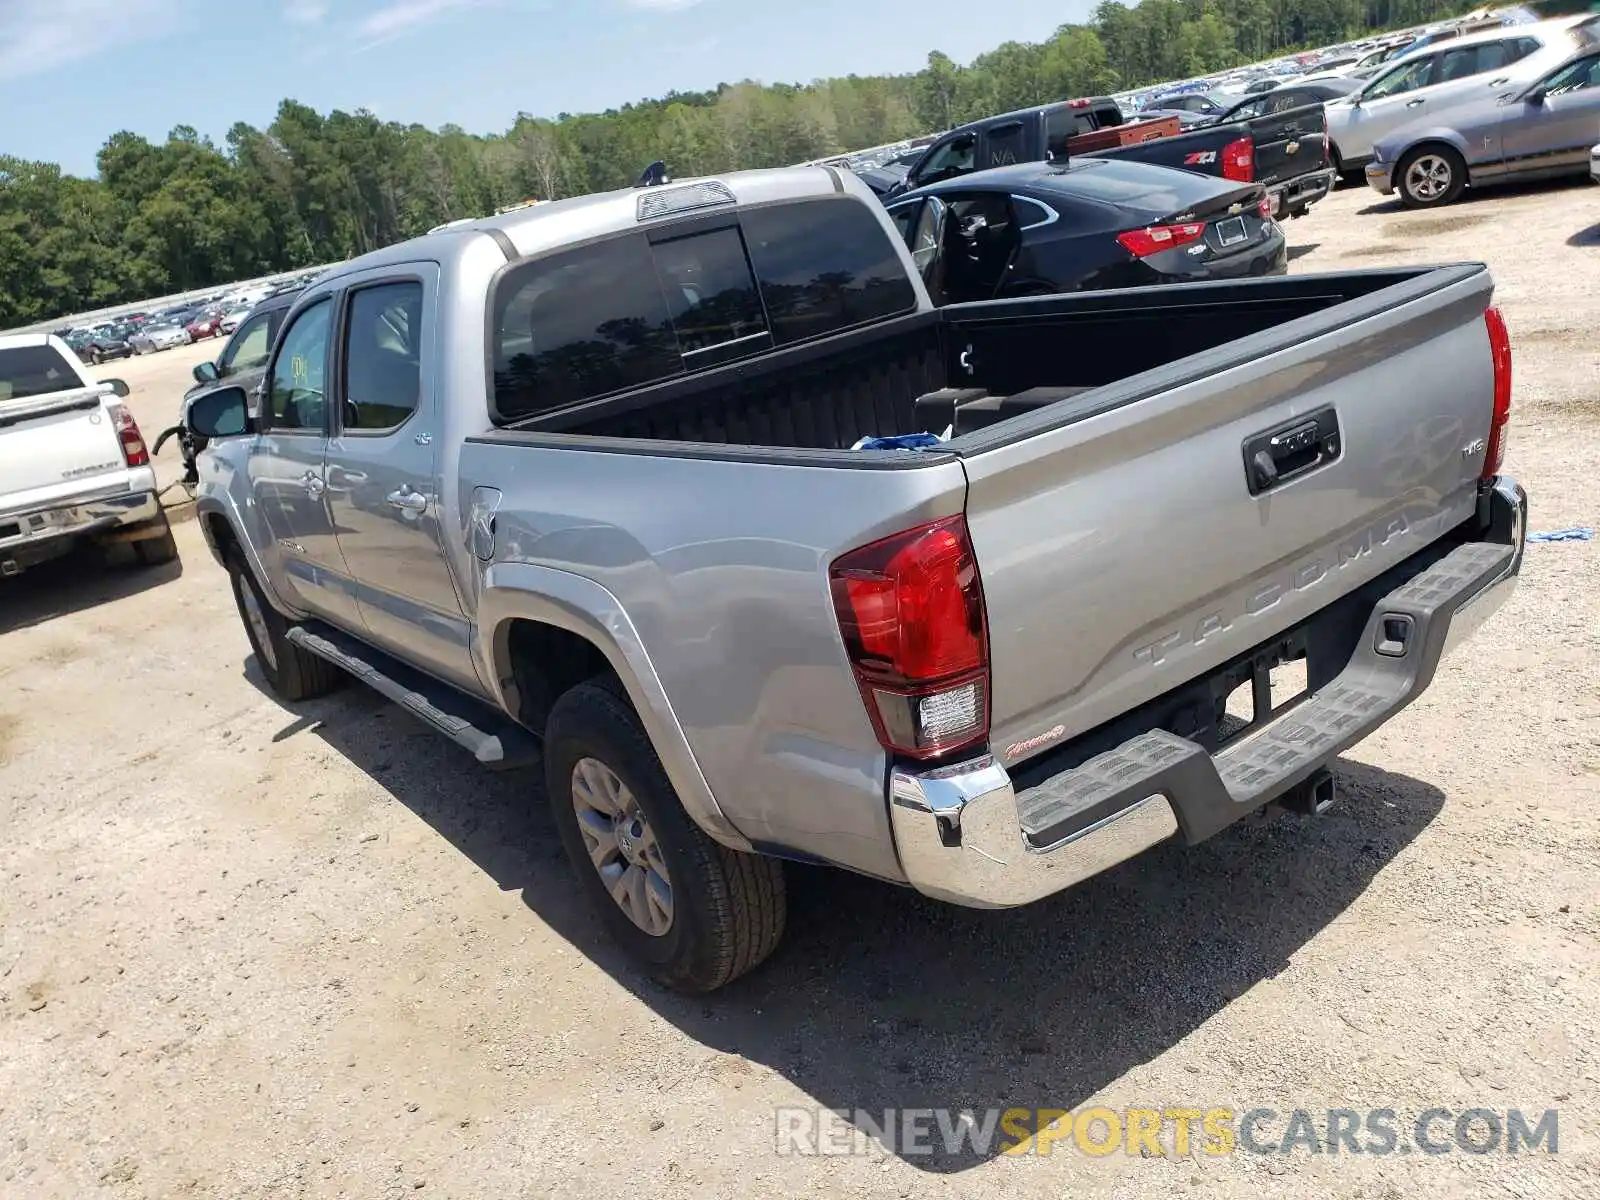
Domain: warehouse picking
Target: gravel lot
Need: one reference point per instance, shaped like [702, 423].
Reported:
[249, 950]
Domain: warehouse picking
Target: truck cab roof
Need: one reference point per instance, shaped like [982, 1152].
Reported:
[526, 232]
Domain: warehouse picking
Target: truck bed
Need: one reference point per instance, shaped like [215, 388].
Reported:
[827, 395]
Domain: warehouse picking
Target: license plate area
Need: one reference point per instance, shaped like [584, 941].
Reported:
[1230, 232]
[9, 529]
[1263, 689]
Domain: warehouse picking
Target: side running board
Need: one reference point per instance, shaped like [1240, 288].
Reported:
[495, 741]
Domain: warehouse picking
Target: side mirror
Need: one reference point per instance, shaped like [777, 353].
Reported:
[1535, 96]
[206, 372]
[218, 414]
[117, 386]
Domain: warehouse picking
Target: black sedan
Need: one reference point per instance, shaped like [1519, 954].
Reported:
[1086, 224]
[99, 345]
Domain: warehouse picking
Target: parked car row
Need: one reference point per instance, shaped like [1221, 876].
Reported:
[1473, 102]
[1538, 129]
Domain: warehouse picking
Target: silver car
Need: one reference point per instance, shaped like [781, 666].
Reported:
[1538, 132]
[159, 337]
[1479, 64]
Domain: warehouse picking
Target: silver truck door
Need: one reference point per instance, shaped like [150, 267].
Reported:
[383, 478]
[286, 470]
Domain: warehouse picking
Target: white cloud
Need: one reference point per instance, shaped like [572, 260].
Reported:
[305, 12]
[402, 16]
[40, 35]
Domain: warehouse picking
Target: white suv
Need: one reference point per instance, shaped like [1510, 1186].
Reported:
[1444, 74]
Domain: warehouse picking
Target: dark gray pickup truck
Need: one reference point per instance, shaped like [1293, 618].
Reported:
[587, 484]
[1286, 152]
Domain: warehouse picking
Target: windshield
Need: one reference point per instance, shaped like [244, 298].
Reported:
[34, 371]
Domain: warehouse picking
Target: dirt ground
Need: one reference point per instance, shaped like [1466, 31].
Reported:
[253, 950]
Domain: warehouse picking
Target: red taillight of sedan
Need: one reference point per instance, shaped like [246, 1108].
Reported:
[1153, 239]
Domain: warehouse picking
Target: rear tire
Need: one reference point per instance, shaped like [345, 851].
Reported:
[293, 673]
[1430, 177]
[152, 552]
[724, 911]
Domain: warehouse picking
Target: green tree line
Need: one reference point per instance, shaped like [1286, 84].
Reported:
[313, 188]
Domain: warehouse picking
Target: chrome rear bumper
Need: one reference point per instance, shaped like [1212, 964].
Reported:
[1301, 192]
[966, 836]
[82, 515]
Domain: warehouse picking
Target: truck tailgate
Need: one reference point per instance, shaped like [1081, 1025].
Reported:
[1121, 548]
[54, 446]
[1289, 143]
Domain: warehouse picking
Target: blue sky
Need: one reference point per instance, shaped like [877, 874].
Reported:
[72, 72]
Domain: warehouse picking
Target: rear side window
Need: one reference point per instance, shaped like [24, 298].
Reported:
[824, 266]
[34, 371]
[1004, 144]
[1407, 77]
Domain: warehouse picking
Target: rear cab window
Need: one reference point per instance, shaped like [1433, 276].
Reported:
[648, 306]
[35, 371]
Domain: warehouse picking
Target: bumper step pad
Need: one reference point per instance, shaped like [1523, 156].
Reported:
[1208, 793]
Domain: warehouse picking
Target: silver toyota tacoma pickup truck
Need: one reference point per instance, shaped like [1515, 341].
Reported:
[623, 484]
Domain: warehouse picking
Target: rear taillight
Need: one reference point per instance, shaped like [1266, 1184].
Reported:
[1239, 160]
[1500, 356]
[910, 608]
[1153, 239]
[1264, 207]
[134, 452]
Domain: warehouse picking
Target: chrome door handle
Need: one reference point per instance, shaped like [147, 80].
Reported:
[1415, 103]
[1497, 82]
[407, 501]
[313, 485]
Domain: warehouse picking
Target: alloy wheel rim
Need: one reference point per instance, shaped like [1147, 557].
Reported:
[621, 846]
[1428, 177]
[258, 625]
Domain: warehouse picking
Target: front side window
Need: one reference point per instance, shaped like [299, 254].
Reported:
[382, 358]
[1575, 77]
[824, 266]
[1407, 77]
[297, 389]
[955, 157]
[904, 217]
[249, 347]
[925, 238]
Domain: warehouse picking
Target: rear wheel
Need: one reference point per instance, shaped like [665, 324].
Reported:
[694, 913]
[1430, 177]
[294, 674]
[153, 551]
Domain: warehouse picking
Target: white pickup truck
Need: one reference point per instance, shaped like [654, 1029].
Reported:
[73, 464]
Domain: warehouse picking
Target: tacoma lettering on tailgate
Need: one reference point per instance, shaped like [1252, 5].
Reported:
[1302, 578]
